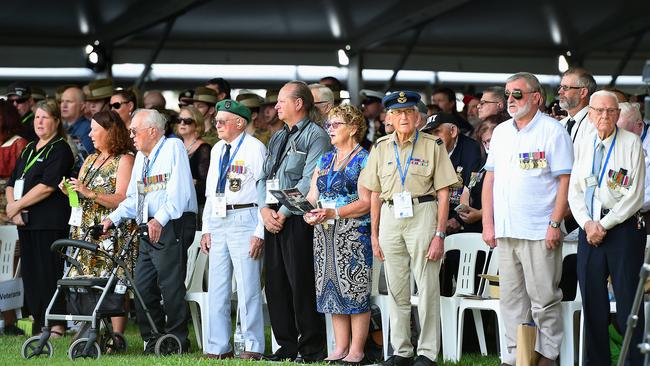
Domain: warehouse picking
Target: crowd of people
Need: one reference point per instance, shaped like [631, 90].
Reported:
[387, 181]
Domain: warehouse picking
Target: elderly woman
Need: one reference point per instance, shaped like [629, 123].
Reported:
[198, 151]
[101, 186]
[342, 249]
[124, 103]
[41, 211]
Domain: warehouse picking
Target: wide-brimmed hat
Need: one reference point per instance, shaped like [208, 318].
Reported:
[205, 95]
[100, 89]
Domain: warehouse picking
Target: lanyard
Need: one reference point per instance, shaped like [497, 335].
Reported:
[402, 174]
[94, 172]
[222, 173]
[645, 131]
[31, 162]
[147, 167]
[609, 153]
[283, 147]
[330, 176]
[27, 117]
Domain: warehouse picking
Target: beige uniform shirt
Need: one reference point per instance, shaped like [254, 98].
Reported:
[623, 184]
[429, 171]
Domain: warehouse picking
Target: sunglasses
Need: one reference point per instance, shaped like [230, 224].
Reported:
[222, 122]
[517, 94]
[117, 105]
[18, 101]
[186, 121]
[333, 125]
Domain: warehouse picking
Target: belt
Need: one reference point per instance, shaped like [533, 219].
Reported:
[421, 199]
[237, 207]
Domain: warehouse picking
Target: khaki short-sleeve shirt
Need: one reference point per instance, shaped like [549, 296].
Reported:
[429, 171]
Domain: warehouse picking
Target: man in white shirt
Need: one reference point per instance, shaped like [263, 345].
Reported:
[606, 192]
[524, 200]
[162, 197]
[233, 236]
[576, 87]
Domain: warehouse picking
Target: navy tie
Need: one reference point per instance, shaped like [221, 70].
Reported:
[223, 170]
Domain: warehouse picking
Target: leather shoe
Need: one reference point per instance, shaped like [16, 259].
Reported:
[222, 356]
[273, 357]
[423, 361]
[543, 361]
[396, 360]
[253, 356]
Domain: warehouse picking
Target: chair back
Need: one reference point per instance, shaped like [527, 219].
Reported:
[196, 283]
[8, 239]
[192, 253]
[469, 245]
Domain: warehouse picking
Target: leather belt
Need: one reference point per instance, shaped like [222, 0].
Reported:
[237, 207]
[421, 199]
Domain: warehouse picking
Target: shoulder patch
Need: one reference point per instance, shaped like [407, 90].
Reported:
[439, 141]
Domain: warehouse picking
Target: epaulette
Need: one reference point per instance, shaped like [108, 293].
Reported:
[381, 139]
[439, 141]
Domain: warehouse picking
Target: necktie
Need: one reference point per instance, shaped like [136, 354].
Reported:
[569, 125]
[283, 146]
[140, 210]
[589, 194]
[222, 170]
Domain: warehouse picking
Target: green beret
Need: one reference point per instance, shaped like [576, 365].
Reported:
[234, 107]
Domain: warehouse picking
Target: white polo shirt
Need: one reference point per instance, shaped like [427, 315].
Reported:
[525, 188]
[622, 187]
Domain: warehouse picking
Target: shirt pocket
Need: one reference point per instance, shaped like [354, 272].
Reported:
[295, 164]
[422, 171]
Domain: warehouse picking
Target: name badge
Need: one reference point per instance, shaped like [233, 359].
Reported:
[591, 181]
[219, 205]
[75, 216]
[403, 205]
[328, 204]
[145, 212]
[272, 184]
[19, 185]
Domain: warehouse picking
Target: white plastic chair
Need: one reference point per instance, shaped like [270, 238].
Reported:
[469, 245]
[192, 253]
[8, 239]
[569, 308]
[476, 305]
[197, 298]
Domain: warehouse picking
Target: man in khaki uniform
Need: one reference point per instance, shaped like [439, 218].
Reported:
[408, 172]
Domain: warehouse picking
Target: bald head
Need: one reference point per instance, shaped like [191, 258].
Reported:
[154, 100]
[72, 104]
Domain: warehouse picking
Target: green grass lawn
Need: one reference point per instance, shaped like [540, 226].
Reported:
[10, 355]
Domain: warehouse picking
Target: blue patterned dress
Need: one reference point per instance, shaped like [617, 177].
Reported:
[342, 251]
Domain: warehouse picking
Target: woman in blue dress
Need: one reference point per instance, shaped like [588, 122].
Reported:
[342, 249]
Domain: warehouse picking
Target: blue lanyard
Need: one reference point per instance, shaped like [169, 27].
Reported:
[645, 131]
[145, 172]
[330, 177]
[222, 173]
[402, 174]
[609, 153]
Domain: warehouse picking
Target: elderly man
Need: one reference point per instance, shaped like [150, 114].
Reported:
[407, 172]
[161, 196]
[78, 127]
[576, 87]
[605, 194]
[524, 201]
[492, 105]
[323, 99]
[288, 257]
[232, 235]
[20, 95]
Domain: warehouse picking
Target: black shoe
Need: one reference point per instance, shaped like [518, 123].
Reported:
[396, 360]
[311, 359]
[273, 357]
[423, 361]
[13, 330]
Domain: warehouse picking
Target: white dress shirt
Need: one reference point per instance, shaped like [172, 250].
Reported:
[246, 166]
[173, 196]
[524, 197]
[624, 200]
[582, 127]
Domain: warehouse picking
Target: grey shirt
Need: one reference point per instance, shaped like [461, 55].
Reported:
[306, 144]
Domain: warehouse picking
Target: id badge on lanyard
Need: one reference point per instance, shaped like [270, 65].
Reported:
[219, 205]
[19, 186]
[402, 205]
[76, 214]
[272, 184]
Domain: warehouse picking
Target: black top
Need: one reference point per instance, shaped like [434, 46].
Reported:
[199, 165]
[468, 155]
[27, 127]
[56, 162]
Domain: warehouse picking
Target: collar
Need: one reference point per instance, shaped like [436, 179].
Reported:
[393, 137]
[156, 146]
[298, 125]
[76, 122]
[455, 144]
[235, 141]
[581, 114]
[608, 140]
[530, 124]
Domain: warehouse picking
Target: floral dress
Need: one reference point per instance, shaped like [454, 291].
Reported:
[101, 180]
[342, 251]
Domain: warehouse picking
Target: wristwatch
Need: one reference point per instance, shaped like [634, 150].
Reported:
[336, 213]
[441, 234]
[554, 224]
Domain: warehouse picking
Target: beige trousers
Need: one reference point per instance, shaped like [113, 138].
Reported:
[529, 275]
[405, 243]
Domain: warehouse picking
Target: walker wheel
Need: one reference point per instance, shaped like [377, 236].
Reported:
[168, 344]
[30, 348]
[77, 348]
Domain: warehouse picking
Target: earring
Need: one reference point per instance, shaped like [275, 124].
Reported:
[351, 134]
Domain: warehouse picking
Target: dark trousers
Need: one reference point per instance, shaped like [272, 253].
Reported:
[41, 268]
[290, 290]
[160, 274]
[621, 256]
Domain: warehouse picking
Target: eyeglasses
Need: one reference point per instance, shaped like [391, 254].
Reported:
[117, 105]
[607, 110]
[568, 87]
[218, 122]
[484, 102]
[517, 94]
[186, 121]
[133, 131]
[18, 101]
[398, 112]
[321, 102]
[334, 125]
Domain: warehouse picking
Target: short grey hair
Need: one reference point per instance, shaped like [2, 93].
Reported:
[630, 112]
[499, 92]
[603, 93]
[585, 79]
[531, 80]
[325, 94]
[153, 118]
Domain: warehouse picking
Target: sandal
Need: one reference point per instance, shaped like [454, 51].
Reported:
[54, 334]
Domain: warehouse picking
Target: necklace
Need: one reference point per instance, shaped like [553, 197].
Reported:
[189, 148]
